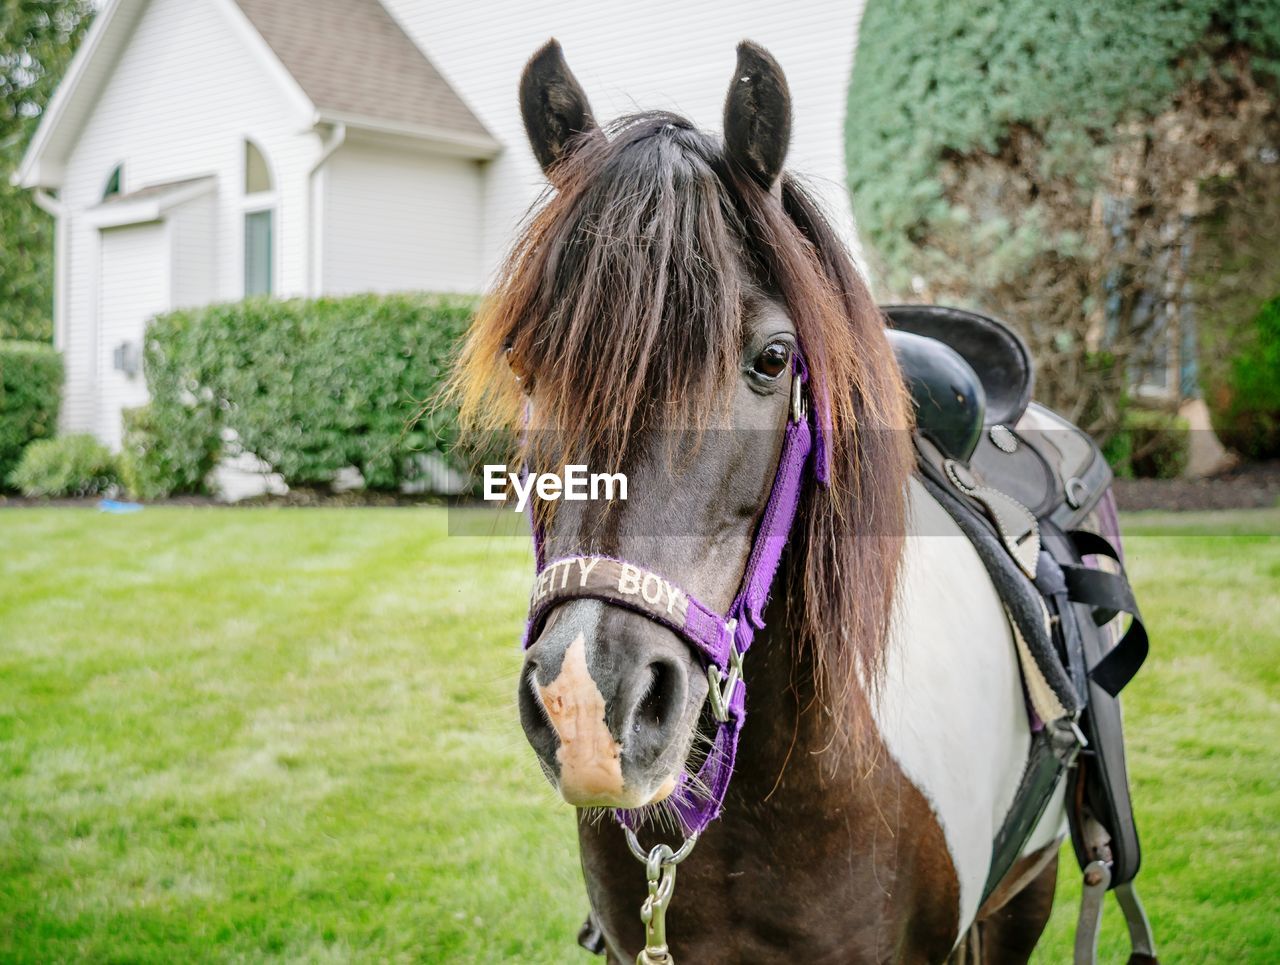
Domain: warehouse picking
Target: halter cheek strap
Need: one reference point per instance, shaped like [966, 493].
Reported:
[721, 640]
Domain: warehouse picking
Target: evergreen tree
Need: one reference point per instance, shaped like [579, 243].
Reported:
[37, 39]
[1056, 165]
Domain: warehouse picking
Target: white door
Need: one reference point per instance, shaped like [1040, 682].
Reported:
[133, 285]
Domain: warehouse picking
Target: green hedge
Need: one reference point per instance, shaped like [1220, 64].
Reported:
[1246, 415]
[30, 391]
[1149, 444]
[309, 386]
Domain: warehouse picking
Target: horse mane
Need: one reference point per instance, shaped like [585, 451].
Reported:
[624, 298]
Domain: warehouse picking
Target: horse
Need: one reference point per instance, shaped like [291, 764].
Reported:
[676, 307]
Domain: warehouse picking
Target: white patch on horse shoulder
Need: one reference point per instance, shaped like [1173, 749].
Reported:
[590, 759]
[952, 712]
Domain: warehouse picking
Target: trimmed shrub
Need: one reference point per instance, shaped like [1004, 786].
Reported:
[1150, 444]
[309, 386]
[1246, 413]
[1118, 451]
[30, 391]
[74, 465]
[152, 467]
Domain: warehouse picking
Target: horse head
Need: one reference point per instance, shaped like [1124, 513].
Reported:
[656, 318]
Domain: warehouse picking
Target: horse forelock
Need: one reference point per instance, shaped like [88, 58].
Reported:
[623, 296]
[621, 306]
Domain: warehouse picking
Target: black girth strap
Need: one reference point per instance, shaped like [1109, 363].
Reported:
[1109, 594]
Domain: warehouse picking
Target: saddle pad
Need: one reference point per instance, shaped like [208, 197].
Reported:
[1058, 696]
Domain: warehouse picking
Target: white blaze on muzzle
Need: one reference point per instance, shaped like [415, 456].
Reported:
[590, 759]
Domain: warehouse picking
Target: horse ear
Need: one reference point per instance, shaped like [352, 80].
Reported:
[757, 115]
[554, 106]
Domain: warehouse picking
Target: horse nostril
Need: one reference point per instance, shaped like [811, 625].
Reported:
[533, 718]
[657, 712]
[654, 705]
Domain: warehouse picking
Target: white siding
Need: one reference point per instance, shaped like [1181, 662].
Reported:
[78, 323]
[668, 54]
[194, 246]
[397, 220]
[186, 92]
[133, 285]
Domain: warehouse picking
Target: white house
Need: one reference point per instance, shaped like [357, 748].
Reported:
[203, 150]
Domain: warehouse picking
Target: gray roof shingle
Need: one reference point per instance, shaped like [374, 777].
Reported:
[353, 60]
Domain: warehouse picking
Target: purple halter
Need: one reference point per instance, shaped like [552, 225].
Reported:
[720, 639]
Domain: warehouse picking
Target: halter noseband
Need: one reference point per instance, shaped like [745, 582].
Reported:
[721, 640]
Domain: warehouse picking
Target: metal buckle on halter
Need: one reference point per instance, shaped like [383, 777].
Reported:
[798, 408]
[719, 685]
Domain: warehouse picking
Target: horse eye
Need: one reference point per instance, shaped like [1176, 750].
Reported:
[512, 363]
[772, 361]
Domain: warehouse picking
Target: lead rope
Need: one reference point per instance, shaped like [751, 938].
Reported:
[660, 868]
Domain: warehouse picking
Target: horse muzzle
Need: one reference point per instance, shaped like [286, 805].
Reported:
[607, 701]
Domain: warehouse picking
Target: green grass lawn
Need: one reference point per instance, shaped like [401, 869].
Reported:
[283, 734]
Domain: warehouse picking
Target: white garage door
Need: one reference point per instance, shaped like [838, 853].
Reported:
[133, 285]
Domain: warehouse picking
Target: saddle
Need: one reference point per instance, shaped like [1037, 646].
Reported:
[1032, 493]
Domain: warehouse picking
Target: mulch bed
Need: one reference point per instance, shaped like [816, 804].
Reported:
[300, 497]
[1250, 486]
[13, 501]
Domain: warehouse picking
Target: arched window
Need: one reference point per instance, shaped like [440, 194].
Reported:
[114, 183]
[259, 222]
[257, 175]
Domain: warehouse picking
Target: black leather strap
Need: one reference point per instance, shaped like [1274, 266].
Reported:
[1108, 594]
[1046, 761]
[1052, 583]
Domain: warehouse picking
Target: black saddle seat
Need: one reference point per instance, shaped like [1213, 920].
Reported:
[996, 353]
[947, 393]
